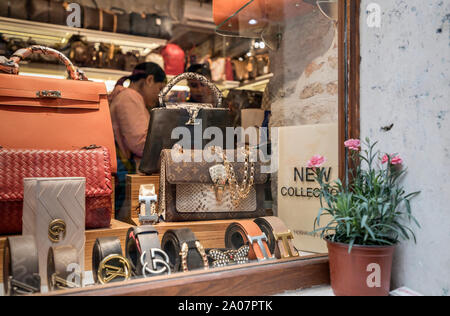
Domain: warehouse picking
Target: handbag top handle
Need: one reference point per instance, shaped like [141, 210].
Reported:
[191, 76]
[11, 66]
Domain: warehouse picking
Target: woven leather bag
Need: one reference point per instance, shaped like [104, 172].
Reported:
[92, 164]
[169, 116]
[55, 114]
[187, 191]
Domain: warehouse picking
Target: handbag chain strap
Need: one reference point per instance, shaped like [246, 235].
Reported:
[240, 192]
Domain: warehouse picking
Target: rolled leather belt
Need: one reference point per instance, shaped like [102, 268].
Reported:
[246, 232]
[143, 251]
[108, 263]
[21, 266]
[185, 252]
[63, 268]
[279, 236]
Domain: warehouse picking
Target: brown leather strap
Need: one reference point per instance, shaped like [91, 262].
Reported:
[247, 232]
[185, 252]
[63, 268]
[21, 266]
[100, 19]
[115, 24]
[280, 237]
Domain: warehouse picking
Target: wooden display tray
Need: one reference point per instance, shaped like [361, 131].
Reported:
[255, 279]
[265, 278]
[210, 233]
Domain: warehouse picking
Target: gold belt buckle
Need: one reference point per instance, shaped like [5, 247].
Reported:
[285, 237]
[113, 267]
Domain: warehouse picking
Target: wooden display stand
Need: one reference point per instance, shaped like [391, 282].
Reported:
[275, 276]
[211, 234]
[134, 182]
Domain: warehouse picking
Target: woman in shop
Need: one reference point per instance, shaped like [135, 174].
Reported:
[130, 114]
[198, 92]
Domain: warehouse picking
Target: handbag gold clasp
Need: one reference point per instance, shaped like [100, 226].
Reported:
[50, 94]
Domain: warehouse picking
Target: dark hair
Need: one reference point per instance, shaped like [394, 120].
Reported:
[202, 69]
[142, 71]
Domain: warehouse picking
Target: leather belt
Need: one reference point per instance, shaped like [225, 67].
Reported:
[280, 237]
[108, 263]
[21, 266]
[246, 232]
[228, 257]
[185, 252]
[143, 251]
[63, 268]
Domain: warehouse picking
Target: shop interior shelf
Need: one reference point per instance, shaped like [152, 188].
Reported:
[50, 34]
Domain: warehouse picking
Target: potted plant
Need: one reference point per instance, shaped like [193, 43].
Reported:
[368, 217]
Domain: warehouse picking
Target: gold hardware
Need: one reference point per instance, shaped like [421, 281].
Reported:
[219, 177]
[285, 237]
[184, 255]
[112, 267]
[240, 192]
[57, 231]
[60, 283]
[202, 252]
[51, 94]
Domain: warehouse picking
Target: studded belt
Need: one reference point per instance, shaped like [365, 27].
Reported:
[108, 263]
[246, 232]
[279, 237]
[63, 268]
[21, 266]
[185, 252]
[143, 251]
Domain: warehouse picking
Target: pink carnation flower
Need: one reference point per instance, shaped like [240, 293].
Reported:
[397, 160]
[353, 144]
[316, 162]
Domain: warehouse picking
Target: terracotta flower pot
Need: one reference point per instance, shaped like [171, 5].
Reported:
[366, 271]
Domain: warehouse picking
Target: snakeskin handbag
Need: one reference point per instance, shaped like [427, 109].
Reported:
[169, 116]
[216, 190]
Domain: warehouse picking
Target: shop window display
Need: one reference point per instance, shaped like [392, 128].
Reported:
[219, 180]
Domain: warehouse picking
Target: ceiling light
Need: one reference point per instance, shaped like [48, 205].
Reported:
[252, 22]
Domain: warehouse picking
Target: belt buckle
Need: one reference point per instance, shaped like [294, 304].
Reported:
[148, 202]
[153, 270]
[284, 238]
[63, 284]
[107, 272]
[259, 240]
[20, 288]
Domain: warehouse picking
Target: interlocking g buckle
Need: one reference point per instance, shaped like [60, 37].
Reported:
[157, 266]
[57, 231]
[114, 267]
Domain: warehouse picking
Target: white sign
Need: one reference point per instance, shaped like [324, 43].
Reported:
[298, 192]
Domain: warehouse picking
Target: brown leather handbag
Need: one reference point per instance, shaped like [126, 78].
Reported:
[222, 189]
[55, 114]
[90, 163]
[99, 19]
[48, 11]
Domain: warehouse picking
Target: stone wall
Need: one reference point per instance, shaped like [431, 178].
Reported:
[304, 88]
[405, 81]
